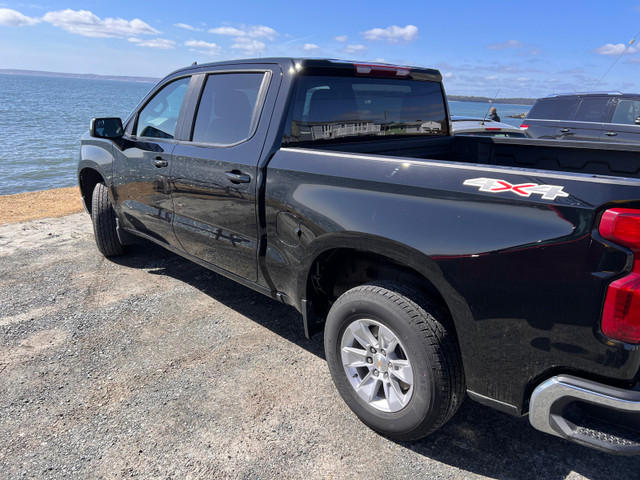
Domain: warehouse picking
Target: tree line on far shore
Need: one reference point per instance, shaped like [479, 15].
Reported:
[512, 101]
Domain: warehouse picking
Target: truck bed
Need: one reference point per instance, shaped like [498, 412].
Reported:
[595, 158]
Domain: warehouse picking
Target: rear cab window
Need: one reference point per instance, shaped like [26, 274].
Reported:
[335, 109]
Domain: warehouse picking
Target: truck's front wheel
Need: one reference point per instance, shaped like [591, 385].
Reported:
[103, 218]
[394, 360]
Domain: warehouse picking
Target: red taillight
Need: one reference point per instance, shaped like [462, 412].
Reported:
[621, 314]
[622, 226]
[382, 70]
[493, 128]
[524, 126]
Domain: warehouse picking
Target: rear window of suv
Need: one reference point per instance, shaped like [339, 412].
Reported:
[554, 108]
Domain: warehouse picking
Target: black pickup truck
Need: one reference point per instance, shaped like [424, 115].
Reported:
[507, 270]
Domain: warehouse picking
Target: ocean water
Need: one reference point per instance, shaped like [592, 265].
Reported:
[42, 119]
[470, 109]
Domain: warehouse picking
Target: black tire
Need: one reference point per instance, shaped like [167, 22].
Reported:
[103, 218]
[426, 342]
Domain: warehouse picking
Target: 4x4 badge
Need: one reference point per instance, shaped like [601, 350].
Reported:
[494, 185]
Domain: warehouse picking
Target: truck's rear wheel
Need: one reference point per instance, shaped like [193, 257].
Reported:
[104, 223]
[393, 359]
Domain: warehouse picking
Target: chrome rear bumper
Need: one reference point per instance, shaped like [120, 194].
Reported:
[589, 413]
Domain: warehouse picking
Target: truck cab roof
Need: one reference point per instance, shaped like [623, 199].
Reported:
[318, 66]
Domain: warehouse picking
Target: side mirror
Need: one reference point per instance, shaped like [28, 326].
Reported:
[637, 120]
[110, 127]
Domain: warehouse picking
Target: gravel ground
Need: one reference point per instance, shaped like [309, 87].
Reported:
[152, 367]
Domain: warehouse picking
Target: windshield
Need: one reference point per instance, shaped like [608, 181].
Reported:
[338, 109]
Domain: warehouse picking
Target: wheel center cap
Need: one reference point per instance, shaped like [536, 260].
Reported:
[380, 362]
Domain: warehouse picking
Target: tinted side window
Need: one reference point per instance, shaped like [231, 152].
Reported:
[627, 111]
[347, 108]
[592, 109]
[554, 108]
[158, 119]
[228, 108]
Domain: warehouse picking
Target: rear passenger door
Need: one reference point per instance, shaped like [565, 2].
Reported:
[214, 174]
[549, 115]
[588, 122]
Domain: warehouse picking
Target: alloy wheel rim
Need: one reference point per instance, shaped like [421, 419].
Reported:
[376, 365]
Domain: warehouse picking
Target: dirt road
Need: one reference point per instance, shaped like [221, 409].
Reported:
[153, 367]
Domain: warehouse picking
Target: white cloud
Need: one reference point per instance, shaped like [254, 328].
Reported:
[617, 49]
[393, 34]
[355, 49]
[227, 31]
[341, 38]
[85, 23]
[249, 46]
[13, 18]
[205, 48]
[260, 31]
[252, 31]
[160, 43]
[248, 37]
[187, 27]
[310, 47]
[505, 45]
[491, 77]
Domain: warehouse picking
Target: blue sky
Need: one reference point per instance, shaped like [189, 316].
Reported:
[527, 49]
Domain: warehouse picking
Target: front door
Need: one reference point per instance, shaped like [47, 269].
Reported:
[625, 122]
[141, 165]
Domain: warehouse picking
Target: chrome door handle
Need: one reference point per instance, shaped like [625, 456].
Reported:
[611, 134]
[236, 177]
[565, 130]
[160, 163]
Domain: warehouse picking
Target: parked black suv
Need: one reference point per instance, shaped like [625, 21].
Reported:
[605, 117]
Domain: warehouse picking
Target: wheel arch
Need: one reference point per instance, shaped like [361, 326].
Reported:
[88, 178]
[355, 260]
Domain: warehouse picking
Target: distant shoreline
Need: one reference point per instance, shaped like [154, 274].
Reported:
[91, 76]
[509, 101]
[85, 76]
